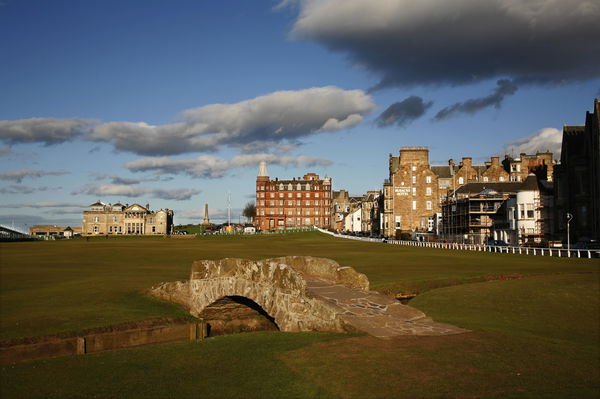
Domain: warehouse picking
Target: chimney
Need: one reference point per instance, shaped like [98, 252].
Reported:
[495, 161]
[467, 161]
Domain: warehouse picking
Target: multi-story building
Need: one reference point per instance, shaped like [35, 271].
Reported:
[411, 195]
[541, 164]
[518, 213]
[414, 193]
[340, 206]
[577, 179]
[299, 202]
[119, 219]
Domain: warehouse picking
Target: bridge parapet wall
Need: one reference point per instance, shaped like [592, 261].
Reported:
[278, 285]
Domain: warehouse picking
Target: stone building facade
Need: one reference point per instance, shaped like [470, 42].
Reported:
[411, 195]
[286, 204]
[577, 179]
[541, 164]
[415, 190]
[340, 206]
[119, 219]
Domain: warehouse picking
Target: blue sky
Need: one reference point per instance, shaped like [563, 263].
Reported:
[119, 101]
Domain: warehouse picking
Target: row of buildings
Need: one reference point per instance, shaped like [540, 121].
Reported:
[521, 200]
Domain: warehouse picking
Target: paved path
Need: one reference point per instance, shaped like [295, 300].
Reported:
[377, 314]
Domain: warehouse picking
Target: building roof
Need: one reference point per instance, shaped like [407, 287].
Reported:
[500, 187]
[443, 172]
[97, 203]
[530, 183]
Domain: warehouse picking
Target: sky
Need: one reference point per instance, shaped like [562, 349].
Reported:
[174, 104]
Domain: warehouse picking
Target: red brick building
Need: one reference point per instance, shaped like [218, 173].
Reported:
[288, 204]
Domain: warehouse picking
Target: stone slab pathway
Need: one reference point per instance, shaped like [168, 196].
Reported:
[377, 314]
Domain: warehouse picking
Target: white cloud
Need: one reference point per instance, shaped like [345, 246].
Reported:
[136, 191]
[43, 130]
[407, 42]
[19, 175]
[547, 139]
[282, 116]
[209, 166]
[46, 204]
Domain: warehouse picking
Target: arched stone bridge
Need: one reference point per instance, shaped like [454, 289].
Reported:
[301, 293]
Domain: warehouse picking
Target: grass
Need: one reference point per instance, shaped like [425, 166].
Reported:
[535, 337]
[55, 286]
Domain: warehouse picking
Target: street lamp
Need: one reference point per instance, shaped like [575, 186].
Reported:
[569, 218]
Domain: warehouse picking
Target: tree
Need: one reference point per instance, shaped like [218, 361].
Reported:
[249, 211]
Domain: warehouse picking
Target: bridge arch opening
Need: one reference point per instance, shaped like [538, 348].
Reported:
[236, 314]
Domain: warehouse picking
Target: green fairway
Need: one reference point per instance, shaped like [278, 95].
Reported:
[56, 286]
[532, 337]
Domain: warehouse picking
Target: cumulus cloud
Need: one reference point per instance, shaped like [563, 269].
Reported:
[279, 117]
[136, 191]
[44, 204]
[407, 42]
[20, 189]
[209, 166]
[43, 130]
[403, 112]
[547, 139]
[19, 175]
[115, 179]
[505, 88]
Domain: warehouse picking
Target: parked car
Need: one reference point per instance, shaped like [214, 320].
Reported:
[497, 243]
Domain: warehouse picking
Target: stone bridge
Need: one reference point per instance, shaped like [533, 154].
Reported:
[301, 293]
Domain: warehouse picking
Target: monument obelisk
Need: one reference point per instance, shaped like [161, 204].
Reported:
[206, 222]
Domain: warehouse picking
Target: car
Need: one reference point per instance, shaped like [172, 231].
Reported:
[497, 243]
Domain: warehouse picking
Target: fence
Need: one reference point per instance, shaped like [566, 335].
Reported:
[556, 252]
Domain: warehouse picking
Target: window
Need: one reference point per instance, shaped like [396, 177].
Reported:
[280, 195]
[299, 195]
[272, 195]
[398, 221]
[414, 191]
[428, 205]
[414, 205]
[414, 180]
[154, 229]
[95, 229]
[428, 191]
[281, 186]
[522, 210]
[316, 195]
[414, 168]
[461, 180]
[485, 179]
[529, 211]
[289, 195]
[428, 179]
[501, 178]
[96, 219]
[115, 219]
[307, 195]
